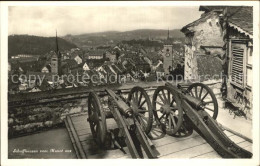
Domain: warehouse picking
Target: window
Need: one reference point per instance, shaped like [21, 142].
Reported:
[238, 53]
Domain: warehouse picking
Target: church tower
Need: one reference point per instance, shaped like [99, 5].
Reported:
[54, 63]
[167, 55]
[56, 59]
[167, 58]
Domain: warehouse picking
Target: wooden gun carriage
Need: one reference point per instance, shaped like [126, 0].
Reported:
[174, 110]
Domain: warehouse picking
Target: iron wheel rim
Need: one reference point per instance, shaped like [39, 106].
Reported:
[208, 103]
[139, 99]
[170, 112]
[97, 119]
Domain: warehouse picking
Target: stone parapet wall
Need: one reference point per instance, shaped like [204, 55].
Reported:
[24, 120]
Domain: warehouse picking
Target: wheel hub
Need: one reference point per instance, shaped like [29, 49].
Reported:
[166, 109]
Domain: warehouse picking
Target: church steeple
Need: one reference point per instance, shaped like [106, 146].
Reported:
[57, 45]
[58, 55]
[168, 37]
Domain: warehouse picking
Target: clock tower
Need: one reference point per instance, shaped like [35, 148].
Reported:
[167, 58]
[167, 53]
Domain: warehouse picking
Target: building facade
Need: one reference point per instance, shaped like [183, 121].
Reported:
[203, 43]
[221, 42]
[54, 63]
[167, 54]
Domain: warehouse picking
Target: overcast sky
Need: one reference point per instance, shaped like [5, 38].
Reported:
[43, 21]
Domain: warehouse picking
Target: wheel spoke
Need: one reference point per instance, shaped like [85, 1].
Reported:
[140, 98]
[196, 93]
[142, 104]
[170, 122]
[172, 101]
[142, 111]
[169, 97]
[204, 96]
[161, 98]
[200, 91]
[164, 96]
[165, 121]
[173, 120]
[174, 108]
[209, 109]
[142, 122]
[162, 116]
[136, 97]
[159, 103]
[143, 117]
[207, 102]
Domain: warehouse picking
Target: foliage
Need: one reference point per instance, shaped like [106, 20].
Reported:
[35, 45]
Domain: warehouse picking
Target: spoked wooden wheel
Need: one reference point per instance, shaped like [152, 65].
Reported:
[167, 109]
[97, 119]
[207, 97]
[142, 107]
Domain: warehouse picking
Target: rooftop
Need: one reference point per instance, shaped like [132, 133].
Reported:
[239, 17]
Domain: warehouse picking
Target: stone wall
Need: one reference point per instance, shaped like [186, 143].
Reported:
[29, 119]
[207, 33]
[190, 67]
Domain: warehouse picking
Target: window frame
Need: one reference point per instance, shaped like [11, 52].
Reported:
[241, 44]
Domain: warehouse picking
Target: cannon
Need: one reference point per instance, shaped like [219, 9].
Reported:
[174, 110]
[133, 117]
[186, 107]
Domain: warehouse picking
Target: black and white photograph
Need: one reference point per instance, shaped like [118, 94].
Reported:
[158, 80]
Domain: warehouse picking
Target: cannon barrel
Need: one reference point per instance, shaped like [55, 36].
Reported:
[122, 106]
[194, 102]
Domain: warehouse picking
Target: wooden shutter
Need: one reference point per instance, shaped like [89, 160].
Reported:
[238, 53]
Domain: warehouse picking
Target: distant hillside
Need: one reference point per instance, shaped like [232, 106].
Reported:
[113, 37]
[35, 45]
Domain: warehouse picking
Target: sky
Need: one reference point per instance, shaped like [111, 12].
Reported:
[45, 20]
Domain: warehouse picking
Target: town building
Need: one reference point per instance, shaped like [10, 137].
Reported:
[167, 54]
[45, 70]
[78, 59]
[111, 56]
[69, 66]
[95, 54]
[56, 59]
[54, 63]
[85, 67]
[221, 41]
[203, 43]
